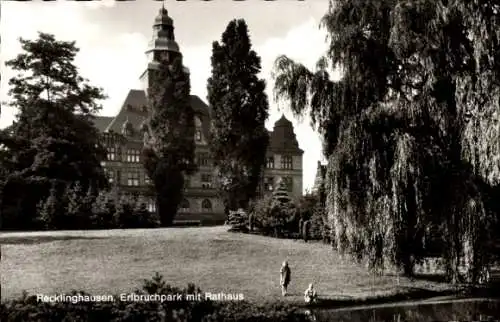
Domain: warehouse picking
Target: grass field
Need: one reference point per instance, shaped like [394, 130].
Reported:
[116, 261]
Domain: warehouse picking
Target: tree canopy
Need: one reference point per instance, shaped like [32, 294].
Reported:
[169, 150]
[408, 129]
[240, 108]
[53, 140]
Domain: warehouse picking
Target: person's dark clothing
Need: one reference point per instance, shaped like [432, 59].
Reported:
[285, 275]
[305, 230]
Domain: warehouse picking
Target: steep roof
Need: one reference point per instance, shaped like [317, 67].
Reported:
[283, 139]
[102, 122]
[134, 109]
[283, 122]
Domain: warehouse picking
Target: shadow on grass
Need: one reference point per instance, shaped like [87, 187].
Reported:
[407, 294]
[39, 239]
[492, 289]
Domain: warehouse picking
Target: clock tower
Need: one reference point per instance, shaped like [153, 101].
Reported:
[161, 47]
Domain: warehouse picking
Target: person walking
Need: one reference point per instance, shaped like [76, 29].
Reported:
[310, 294]
[285, 275]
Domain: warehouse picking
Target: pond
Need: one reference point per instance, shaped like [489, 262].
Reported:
[460, 310]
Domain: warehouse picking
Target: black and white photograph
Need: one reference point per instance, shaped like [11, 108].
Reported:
[252, 160]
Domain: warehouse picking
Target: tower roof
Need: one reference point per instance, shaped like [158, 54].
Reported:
[163, 18]
[282, 138]
[283, 122]
[163, 33]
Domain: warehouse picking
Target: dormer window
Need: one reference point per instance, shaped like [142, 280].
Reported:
[127, 128]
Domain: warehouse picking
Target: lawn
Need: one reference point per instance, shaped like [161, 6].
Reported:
[116, 261]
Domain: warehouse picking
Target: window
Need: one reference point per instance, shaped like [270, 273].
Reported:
[206, 181]
[147, 180]
[133, 178]
[187, 183]
[286, 162]
[110, 174]
[197, 135]
[206, 205]
[270, 163]
[184, 206]
[151, 205]
[203, 159]
[111, 155]
[133, 155]
[269, 184]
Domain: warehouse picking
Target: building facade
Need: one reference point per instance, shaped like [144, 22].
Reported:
[123, 136]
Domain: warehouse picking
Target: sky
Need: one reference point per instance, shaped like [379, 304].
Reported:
[113, 36]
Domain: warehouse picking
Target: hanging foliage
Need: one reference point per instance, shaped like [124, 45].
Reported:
[411, 129]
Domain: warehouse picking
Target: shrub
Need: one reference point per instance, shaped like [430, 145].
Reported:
[272, 217]
[309, 207]
[103, 210]
[238, 220]
[244, 311]
[79, 206]
[51, 211]
[27, 308]
[144, 218]
[124, 216]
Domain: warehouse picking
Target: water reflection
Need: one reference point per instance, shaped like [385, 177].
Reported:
[487, 310]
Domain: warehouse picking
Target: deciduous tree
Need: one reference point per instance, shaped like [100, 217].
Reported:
[53, 139]
[240, 107]
[401, 128]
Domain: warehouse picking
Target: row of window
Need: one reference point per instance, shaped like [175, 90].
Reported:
[270, 185]
[286, 162]
[150, 203]
[203, 159]
[133, 155]
[133, 178]
[206, 205]
[185, 206]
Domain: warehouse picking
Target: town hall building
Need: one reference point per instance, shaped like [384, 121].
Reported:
[123, 136]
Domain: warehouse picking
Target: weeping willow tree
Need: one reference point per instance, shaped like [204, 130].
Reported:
[411, 129]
